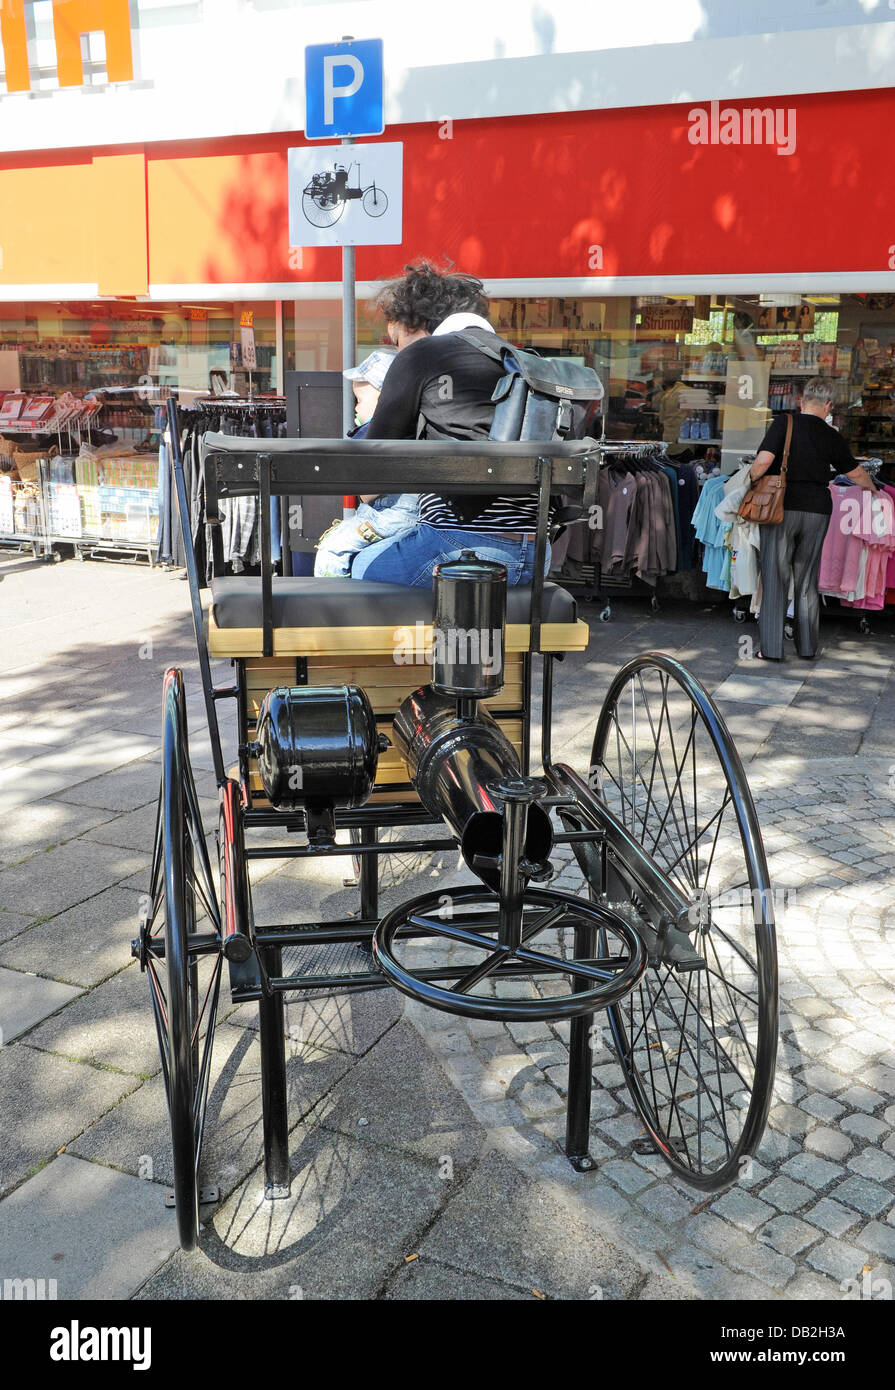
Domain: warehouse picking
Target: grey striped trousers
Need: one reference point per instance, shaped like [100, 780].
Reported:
[791, 549]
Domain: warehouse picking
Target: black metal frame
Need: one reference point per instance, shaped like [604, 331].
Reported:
[237, 467]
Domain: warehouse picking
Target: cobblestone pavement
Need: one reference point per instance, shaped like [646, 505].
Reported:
[415, 1133]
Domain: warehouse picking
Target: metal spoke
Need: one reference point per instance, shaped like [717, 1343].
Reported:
[732, 1003]
[671, 1099]
[671, 808]
[568, 967]
[201, 1098]
[479, 972]
[467, 938]
[695, 842]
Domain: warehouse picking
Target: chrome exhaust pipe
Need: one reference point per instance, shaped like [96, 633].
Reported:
[453, 759]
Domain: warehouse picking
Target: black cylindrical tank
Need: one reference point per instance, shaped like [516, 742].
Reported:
[453, 760]
[317, 746]
[468, 627]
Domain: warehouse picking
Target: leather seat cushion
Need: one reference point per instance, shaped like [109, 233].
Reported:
[304, 601]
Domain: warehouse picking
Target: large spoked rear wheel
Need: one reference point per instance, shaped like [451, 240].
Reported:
[322, 209]
[697, 1036]
[181, 954]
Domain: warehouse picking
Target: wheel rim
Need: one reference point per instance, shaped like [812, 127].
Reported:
[697, 1048]
[184, 995]
[375, 202]
[318, 213]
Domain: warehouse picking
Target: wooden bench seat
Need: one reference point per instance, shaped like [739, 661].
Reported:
[339, 632]
[341, 616]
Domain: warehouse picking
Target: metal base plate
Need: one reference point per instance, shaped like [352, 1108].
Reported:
[582, 1163]
[207, 1196]
[273, 1192]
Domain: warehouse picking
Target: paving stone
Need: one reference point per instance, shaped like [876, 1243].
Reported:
[823, 1079]
[872, 1163]
[355, 1211]
[770, 1267]
[82, 946]
[46, 823]
[829, 1142]
[864, 1127]
[26, 999]
[402, 1092]
[788, 1234]
[786, 1195]
[860, 1098]
[52, 1229]
[58, 771]
[821, 1107]
[813, 1288]
[46, 1102]
[134, 829]
[349, 1023]
[537, 1099]
[523, 1251]
[831, 1216]
[112, 1026]
[743, 1210]
[719, 1236]
[877, 1237]
[837, 1259]
[663, 1203]
[622, 1129]
[868, 1197]
[70, 874]
[135, 1135]
[709, 1279]
[791, 1120]
[811, 1169]
[12, 923]
[630, 1177]
[122, 789]
[775, 1147]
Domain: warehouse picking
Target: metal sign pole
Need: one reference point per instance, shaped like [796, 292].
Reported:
[349, 325]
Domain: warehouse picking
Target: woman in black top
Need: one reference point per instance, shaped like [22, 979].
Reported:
[446, 381]
[792, 550]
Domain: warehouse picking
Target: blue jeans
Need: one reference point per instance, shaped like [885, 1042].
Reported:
[411, 558]
[373, 522]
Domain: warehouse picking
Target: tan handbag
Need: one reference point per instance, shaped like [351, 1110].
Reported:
[763, 504]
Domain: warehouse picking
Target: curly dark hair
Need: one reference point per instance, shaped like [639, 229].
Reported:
[424, 296]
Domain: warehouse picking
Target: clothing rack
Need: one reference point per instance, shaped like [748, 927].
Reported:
[595, 586]
[261, 416]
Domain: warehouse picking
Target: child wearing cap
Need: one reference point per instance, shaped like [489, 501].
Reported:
[376, 518]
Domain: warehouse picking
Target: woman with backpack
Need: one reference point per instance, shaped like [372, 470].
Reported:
[440, 387]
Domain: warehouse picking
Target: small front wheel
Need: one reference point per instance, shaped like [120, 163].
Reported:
[374, 201]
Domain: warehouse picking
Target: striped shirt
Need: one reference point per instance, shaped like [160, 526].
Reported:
[449, 382]
[500, 514]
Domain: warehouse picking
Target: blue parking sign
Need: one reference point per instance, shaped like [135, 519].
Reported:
[343, 89]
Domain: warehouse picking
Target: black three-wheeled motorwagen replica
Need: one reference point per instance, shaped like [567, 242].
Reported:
[351, 742]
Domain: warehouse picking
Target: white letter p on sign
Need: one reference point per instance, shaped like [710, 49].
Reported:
[330, 62]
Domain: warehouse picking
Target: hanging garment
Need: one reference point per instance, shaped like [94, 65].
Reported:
[615, 497]
[858, 547]
[711, 531]
[741, 538]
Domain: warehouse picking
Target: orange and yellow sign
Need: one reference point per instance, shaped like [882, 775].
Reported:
[71, 19]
